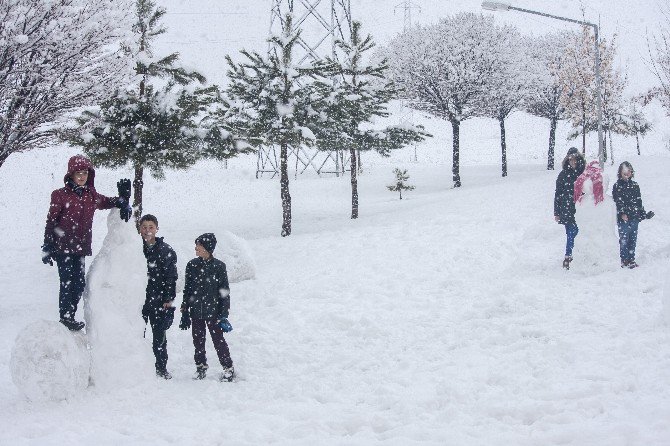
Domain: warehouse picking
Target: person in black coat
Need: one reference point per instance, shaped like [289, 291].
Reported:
[630, 212]
[161, 289]
[564, 199]
[206, 303]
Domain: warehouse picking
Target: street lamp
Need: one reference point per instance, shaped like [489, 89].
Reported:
[499, 6]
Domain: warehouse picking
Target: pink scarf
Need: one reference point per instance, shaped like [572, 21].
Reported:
[595, 174]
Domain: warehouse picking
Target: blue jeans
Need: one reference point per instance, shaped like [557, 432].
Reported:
[571, 231]
[627, 239]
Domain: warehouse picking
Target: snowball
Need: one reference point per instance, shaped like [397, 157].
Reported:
[49, 362]
[236, 254]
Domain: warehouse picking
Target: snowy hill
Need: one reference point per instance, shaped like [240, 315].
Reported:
[444, 318]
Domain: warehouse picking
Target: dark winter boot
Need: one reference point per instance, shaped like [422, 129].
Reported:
[632, 264]
[200, 371]
[566, 262]
[163, 374]
[227, 375]
[624, 263]
[71, 324]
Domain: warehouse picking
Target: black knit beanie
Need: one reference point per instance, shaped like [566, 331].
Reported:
[207, 241]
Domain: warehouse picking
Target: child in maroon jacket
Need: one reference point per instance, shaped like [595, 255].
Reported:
[67, 235]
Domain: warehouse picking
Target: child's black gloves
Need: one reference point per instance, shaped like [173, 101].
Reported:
[123, 187]
[185, 322]
[649, 215]
[47, 257]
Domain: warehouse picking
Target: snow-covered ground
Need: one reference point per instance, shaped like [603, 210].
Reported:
[444, 318]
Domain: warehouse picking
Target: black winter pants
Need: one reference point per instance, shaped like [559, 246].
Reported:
[199, 330]
[159, 344]
[71, 271]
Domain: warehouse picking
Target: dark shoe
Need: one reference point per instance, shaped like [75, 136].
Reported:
[163, 374]
[624, 263]
[72, 325]
[566, 262]
[200, 372]
[227, 375]
[632, 264]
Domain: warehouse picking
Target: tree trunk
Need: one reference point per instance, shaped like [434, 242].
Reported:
[354, 184]
[552, 143]
[503, 147]
[4, 156]
[285, 195]
[584, 135]
[400, 190]
[611, 150]
[138, 185]
[455, 169]
[637, 140]
[604, 147]
[359, 161]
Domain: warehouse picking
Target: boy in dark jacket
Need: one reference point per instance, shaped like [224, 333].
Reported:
[206, 302]
[564, 199]
[67, 235]
[629, 211]
[161, 289]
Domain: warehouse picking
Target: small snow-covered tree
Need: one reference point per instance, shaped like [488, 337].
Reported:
[161, 121]
[444, 69]
[358, 94]
[508, 85]
[634, 122]
[55, 56]
[401, 178]
[271, 104]
[547, 53]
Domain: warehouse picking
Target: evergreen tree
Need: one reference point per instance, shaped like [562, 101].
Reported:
[400, 185]
[160, 123]
[634, 123]
[271, 103]
[357, 94]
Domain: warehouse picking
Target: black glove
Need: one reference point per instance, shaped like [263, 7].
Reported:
[146, 311]
[185, 322]
[649, 215]
[123, 187]
[47, 257]
[124, 208]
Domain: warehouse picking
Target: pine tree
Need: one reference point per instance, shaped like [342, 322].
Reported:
[400, 185]
[271, 103]
[160, 123]
[357, 94]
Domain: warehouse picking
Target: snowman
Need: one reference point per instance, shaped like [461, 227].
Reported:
[597, 244]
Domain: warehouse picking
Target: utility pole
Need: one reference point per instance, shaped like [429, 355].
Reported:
[407, 113]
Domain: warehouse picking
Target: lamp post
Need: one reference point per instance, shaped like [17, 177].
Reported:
[499, 6]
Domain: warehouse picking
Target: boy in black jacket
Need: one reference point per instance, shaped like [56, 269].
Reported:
[161, 289]
[206, 302]
[629, 211]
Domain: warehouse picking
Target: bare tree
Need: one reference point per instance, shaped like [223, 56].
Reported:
[55, 57]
